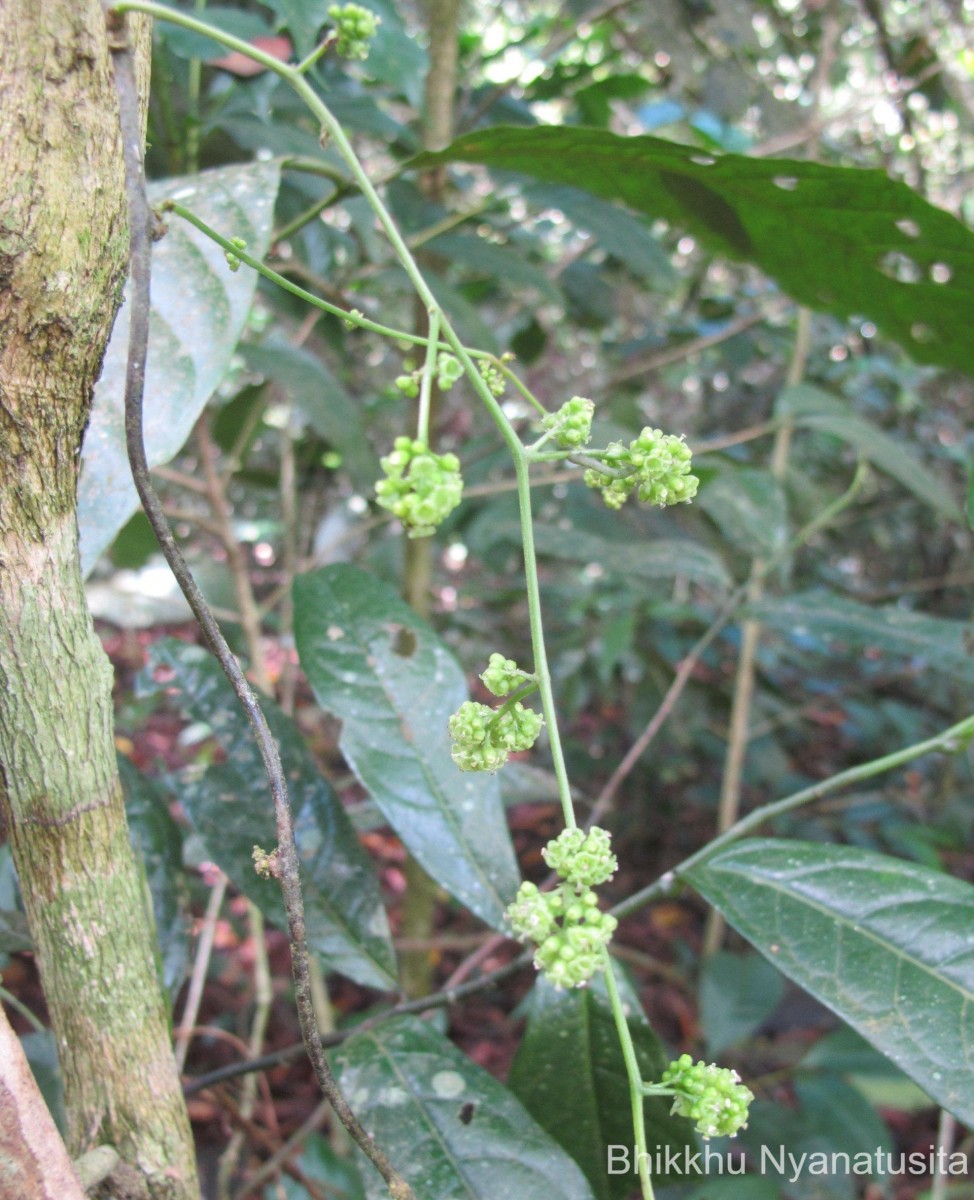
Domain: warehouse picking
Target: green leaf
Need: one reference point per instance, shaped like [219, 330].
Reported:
[184, 43]
[505, 263]
[231, 809]
[737, 993]
[849, 241]
[374, 664]
[199, 307]
[937, 643]
[322, 401]
[667, 558]
[812, 408]
[14, 934]
[885, 944]
[748, 507]
[157, 840]
[448, 1127]
[570, 1075]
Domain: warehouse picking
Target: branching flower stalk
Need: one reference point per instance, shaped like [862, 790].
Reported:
[570, 933]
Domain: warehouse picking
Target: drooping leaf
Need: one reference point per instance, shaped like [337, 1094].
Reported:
[230, 808]
[884, 943]
[666, 558]
[737, 992]
[374, 664]
[448, 1127]
[849, 241]
[812, 408]
[570, 1075]
[934, 643]
[199, 307]
[157, 841]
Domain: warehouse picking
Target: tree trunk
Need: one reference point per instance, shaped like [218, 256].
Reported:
[63, 249]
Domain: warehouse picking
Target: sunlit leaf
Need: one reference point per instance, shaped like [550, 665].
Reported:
[199, 307]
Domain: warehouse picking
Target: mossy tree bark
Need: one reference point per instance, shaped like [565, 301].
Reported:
[63, 249]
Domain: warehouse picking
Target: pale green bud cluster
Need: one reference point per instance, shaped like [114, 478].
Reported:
[582, 858]
[566, 926]
[232, 261]
[420, 488]
[355, 27]
[483, 737]
[712, 1097]
[496, 383]
[571, 425]
[503, 676]
[657, 467]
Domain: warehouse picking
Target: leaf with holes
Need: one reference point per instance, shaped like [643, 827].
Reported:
[231, 810]
[199, 307]
[448, 1127]
[374, 664]
[570, 1075]
[849, 241]
[884, 943]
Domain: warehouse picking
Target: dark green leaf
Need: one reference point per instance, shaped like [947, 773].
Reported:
[885, 944]
[850, 241]
[322, 401]
[570, 1075]
[319, 1163]
[936, 643]
[665, 558]
[374, 664]
[451, 1129]
[812, 408]
[40, 1050]
[14, 934]
[748, 507]
[505, 263]
[737, 993]
[199, 307]
[231, 809]
[156, 839]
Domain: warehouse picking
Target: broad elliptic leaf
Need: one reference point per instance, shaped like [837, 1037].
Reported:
[812, 408]
[199, 307]
[230, 808]
[842, 239]
[933, 643]
[748, 507]
[448, 1127]
[884, 943]
[159, 845]
[570, 1075]
[374, 664]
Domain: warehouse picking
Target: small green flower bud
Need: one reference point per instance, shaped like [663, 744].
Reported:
[448, 371]
[517, 727]
[420, 488]
[571, 425]
[496, 383]
[582, 858]
[502, 676]
[355, 27]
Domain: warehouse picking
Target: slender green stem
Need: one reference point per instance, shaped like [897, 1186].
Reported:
[307, 63]
[633, 1074]
[426, 382]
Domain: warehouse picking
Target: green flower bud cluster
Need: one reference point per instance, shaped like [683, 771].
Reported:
[582, 858]
[232, 261]
[408, 384]
[420, 488]
[713, 1097]
[355, 27]
[571, 425]
[503, 676]
[483, 737]
[496, 383]
[448, 371]
[566, 926]
[657, 467]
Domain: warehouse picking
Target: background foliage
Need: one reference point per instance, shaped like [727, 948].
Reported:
[663, 186]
